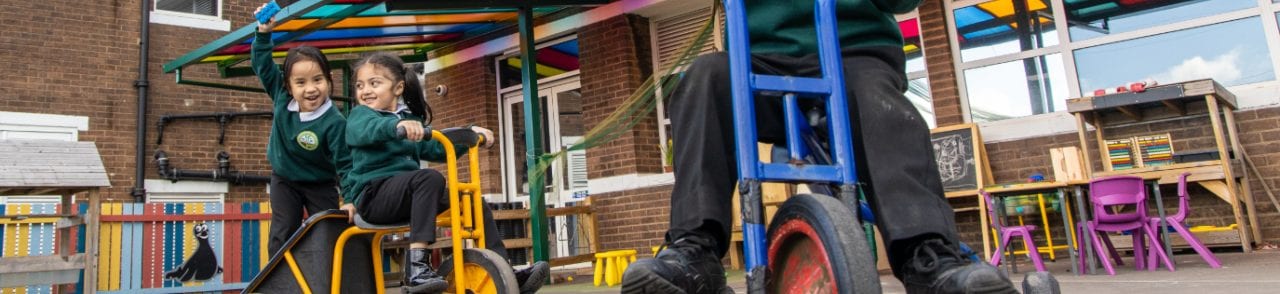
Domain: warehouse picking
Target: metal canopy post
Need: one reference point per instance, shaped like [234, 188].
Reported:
[533, 135]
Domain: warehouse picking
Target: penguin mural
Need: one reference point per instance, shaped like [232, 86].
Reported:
[202, 265]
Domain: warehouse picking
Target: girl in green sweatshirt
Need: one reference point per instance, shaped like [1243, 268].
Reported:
[307, 148]
[390, 185]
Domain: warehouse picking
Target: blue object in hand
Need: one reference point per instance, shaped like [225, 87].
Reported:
[267, 12]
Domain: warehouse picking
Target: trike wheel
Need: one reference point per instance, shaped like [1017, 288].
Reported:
[486, 273]
[817, 246]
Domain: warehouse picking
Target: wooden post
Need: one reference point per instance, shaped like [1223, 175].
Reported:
[1084, 146]
[1102, 143]
[1225, 161]
[591, 226]
[985, 226]
[1234, 137]
[65, 243]
[92, 221]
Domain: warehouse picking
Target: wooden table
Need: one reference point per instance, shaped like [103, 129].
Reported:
[1223, 176]
[997, 192]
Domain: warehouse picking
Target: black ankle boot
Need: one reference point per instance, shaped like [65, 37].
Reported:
[937, 267]
[531, 279]
[419, 277]
[687, 266]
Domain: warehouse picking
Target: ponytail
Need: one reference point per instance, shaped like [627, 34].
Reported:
[415, 98]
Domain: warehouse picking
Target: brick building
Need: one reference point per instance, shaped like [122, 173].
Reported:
[73, 67]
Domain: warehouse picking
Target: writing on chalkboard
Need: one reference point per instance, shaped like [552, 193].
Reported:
[956, 155]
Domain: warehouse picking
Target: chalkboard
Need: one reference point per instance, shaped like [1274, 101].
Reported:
[958, 157]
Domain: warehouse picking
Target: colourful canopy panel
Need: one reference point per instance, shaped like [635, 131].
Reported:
[552, 60]
[910, 35]
[996, 21]
[352, 26]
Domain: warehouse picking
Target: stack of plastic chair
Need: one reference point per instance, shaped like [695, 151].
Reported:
[1175, 221]
[1008, 232]
[1119, 191]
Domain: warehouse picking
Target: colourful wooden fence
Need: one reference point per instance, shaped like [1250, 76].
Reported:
[28, 237]
[142, 242]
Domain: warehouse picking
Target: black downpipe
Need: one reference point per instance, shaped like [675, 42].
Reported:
[222, 174]
[141, 85]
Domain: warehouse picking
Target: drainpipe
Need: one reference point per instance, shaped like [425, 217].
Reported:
[140, 85]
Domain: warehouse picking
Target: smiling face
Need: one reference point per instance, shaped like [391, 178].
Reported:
[308, 85]
[377, 88]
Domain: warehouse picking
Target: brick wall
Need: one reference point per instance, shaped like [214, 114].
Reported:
[80, 58]
[471, 99]
[614, 62]
[635, 219]
[941, 69]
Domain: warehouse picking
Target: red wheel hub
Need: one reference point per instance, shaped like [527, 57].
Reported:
[798, 262]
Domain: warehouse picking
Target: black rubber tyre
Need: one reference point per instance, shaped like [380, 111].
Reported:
[487, 272]
[817, 246]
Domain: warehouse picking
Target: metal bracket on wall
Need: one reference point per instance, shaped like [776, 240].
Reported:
[223, 118]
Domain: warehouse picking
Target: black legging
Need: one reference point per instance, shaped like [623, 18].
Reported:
[418, 196]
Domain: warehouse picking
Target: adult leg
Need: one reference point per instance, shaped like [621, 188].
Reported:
[702, 120]
[896, 159]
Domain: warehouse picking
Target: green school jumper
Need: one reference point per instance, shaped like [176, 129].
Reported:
[786, 27]
[376, 151]
[304, 147]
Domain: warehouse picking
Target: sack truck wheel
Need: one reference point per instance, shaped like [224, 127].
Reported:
[817, 246]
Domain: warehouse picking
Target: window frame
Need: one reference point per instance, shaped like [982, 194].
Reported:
[192, 20]
[1250, 95]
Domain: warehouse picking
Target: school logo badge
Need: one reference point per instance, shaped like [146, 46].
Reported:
[308, 140]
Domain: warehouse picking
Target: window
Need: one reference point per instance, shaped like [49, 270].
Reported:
[1233, 53]
[203, 14]
[999, 93]
[165, 191]
[562, 122]
[200, 7]
[671, 34]
[1016, 60]
[1091, 19]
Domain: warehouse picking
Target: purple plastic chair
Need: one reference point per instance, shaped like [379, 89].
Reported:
[1175, 221]
[1108, 192]
[1007, 233]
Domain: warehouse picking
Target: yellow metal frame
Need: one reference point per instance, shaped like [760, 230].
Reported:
[1048, 235]
[463, 221]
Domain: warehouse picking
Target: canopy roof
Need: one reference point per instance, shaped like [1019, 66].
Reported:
[354, 26]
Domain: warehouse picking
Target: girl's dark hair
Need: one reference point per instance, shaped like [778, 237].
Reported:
[305, 53]
[413, 96]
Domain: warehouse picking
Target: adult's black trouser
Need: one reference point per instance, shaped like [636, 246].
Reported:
[418, 196]
[891, 142]
[289, 198]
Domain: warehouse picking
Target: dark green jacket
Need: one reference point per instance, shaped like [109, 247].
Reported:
[376, 151]
[302, 151]
[786, 26]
